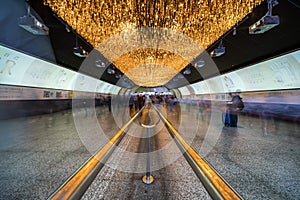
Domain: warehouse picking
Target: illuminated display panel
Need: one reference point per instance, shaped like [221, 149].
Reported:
[184, 91]
[19, 69]
[279, 73]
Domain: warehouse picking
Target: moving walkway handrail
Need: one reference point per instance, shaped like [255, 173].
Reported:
[78, 183]
[212, 181]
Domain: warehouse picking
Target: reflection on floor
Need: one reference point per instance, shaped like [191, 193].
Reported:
[171, 181]
[260, 158]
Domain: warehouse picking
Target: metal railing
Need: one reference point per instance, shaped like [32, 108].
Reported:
[78, 183]
[216, 186]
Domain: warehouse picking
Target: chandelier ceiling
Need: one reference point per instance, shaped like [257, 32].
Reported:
[151, 41]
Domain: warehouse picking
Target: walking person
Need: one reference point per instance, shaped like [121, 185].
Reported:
[235, 107]
[131, 102]
[172, 103]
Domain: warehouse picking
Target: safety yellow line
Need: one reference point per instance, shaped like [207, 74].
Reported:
[67, 190]
[220, 185]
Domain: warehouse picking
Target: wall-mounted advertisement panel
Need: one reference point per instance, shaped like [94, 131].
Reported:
[19, 69]
[279, 73]
[25, 93]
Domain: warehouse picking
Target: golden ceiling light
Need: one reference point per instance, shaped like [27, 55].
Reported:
[153, 48]
[156, 67]
[150, 75]
[150, 56]
[204, 21]
[139, 41]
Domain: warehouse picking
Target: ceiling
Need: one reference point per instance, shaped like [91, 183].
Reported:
[242, 49]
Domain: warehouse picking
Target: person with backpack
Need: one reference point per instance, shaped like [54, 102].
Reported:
[236, 106]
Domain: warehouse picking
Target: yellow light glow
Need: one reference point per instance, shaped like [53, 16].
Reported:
[204, 21]
[144, 71]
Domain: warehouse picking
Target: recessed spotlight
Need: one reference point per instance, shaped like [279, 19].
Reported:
[199, 64]
[100, 63]
[110, 71]
[80, 52]
[187, 71]
[234, 31]
[118, 75]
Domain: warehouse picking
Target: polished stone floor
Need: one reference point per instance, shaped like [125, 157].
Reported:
[260, 158]
[121, 178]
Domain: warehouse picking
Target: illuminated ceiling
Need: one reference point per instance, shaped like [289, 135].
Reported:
[203, 21]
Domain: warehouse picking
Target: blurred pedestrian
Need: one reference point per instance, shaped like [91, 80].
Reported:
[235, 107]
[131, 102]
